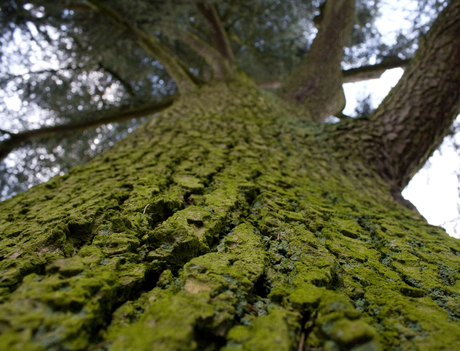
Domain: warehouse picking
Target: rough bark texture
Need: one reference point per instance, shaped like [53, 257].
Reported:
[317, 82]
[410, 124]
[225, 223]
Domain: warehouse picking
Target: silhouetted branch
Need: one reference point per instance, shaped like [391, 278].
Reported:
[18, 139]
[354, 75]
[219, 64]
[219, 36]
[371, 72]
[129, 89]
[151, 44]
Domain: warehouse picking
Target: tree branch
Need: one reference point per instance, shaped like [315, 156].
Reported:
[228, 12]
[152, 45]
[354, 75]
[411, 122]
[363, 73]
[18, 139]
[129, 89]
[317, 83]
[219, 36]
[219, 64]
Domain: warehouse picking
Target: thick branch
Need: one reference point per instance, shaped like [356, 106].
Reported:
[18, 139]
[219, 64]
[317, 83]
[219, 36]
[152, 45]
[410, 124]
[371, 72]
[353, 75]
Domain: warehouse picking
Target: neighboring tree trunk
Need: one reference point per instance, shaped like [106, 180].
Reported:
[225, 223]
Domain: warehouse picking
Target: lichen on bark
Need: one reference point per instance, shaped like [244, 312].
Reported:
[227, 222]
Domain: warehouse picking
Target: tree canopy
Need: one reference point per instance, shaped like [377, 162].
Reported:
[74, 74]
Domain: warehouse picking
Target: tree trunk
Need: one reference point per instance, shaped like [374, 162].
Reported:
[226, 223]
[317, 82]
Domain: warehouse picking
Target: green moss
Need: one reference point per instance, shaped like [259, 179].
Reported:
[210, 286]
[226, 222]
[349, 333]
[274, 331]
[189, 182]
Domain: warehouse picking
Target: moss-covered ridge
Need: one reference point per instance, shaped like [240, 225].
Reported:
[226, 222]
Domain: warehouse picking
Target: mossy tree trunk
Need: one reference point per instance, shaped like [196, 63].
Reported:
[232, 222]
[226, 222]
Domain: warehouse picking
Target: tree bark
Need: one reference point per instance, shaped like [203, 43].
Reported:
[411, 122]
[220, 65]
[317, 82]
[218, 35]
[353, 75]
[226, 223]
